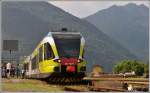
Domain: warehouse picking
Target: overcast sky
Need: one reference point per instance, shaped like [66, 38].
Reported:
[85, 8]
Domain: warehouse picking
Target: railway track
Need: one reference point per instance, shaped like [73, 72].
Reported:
[76, 88]
[117, 84]
[106, 89]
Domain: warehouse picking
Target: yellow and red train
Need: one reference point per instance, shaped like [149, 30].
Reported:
[59, 53]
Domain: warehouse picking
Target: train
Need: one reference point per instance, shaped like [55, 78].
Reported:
[59, 54]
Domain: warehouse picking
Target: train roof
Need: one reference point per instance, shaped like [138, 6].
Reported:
[64, 34]
[61, 32]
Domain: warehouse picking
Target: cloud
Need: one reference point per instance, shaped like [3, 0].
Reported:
[86, 8]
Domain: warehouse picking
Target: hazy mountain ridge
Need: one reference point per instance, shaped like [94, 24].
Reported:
[127, 24]
[31, 21]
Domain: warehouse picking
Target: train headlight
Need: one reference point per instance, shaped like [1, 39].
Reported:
[59, 60]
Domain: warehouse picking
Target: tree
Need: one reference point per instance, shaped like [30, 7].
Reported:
[139, 70]
[131, 65]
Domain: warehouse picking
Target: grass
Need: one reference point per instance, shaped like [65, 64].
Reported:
[29, 86]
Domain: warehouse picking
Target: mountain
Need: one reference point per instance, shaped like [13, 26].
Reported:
[128, 24]
[29, 22]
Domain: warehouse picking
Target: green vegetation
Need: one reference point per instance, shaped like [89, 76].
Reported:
[131, 65]
[25, 85]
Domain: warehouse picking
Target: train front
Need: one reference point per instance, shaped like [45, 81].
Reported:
[70, 49]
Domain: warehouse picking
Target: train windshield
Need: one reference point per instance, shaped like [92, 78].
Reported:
[68, 47]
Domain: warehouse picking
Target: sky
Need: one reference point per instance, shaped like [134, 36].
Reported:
[82, 9]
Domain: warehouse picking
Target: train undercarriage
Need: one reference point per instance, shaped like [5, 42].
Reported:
[66, 78]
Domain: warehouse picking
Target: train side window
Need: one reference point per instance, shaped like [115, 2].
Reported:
[34, 63]
[48, 54]
[40, 54]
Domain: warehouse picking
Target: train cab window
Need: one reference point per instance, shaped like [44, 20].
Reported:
[68, 47]
[48, 54]
[40, 54]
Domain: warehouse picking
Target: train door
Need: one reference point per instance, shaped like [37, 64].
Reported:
[48, 58]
